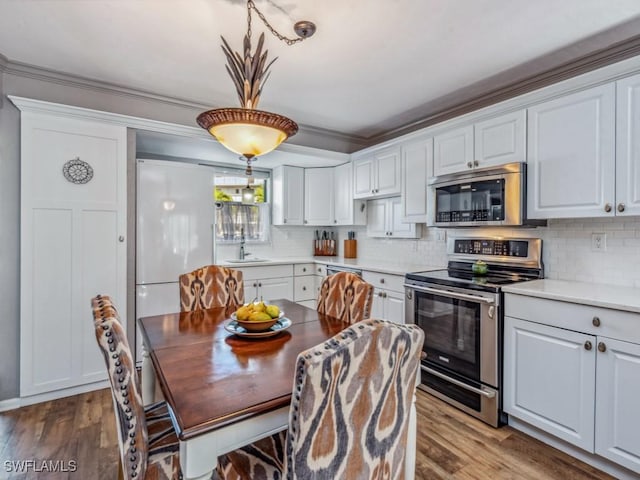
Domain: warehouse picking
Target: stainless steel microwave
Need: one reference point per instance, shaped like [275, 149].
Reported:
[493, 196]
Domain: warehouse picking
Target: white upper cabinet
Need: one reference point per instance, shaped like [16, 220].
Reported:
[491, 142]
[453, 151]
[571, 155]
[318, 196]
[347, 211]
[384, 219]
[417, 167]
[288, 195]
[628, 147]
[378, 175]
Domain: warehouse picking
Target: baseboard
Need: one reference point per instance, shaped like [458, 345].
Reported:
[65, 392]
[10, 404]
[594, 460]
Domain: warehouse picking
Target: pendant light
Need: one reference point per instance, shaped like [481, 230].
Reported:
[247, 131]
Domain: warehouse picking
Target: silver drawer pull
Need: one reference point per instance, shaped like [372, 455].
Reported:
[484, 393]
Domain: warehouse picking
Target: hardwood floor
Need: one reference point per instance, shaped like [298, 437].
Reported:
[451, 444]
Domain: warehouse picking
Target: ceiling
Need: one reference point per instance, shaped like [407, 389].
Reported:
[373, 66]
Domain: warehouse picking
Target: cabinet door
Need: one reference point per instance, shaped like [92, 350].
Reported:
[318, 196]
[617, 412]
[304, 288]
[288, 195]
[394, 306]
[343, 194]
[453, 151]
[363, 173]
[628, 147]
[500, 140]
[275, 288]
[388, 180]
[549, 379]
[377, 306]
[398, 229]
[73, 245]
[417, 167]
[571, 155]
[377, 218]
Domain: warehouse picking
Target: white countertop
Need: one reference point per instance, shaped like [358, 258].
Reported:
[597, 295]
[393, 268]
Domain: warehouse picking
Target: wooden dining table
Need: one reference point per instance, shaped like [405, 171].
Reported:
[224, 391]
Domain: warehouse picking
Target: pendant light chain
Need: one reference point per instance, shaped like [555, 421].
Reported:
[251, 5]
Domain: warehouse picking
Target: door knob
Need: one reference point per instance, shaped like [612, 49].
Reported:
[607, 207]
[587, 345]
[621, 207]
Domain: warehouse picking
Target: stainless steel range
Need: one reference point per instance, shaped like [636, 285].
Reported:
[461, 314]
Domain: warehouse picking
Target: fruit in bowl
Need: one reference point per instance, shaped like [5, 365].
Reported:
[258, 316]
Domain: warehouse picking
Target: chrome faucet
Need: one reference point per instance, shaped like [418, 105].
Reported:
[242, 252]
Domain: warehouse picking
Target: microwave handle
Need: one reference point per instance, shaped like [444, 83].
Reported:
[447, 293]
[484, 393]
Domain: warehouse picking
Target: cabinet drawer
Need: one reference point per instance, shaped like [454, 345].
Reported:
[270, 271]
[320, 270]
[304, 288]
[615, 324]
[384, 280]
[304, 269]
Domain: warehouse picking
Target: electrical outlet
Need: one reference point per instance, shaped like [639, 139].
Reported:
[598, 242]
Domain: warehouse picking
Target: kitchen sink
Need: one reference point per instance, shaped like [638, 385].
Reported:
[247, 260]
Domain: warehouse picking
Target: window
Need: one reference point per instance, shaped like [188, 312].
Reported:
[235, 214]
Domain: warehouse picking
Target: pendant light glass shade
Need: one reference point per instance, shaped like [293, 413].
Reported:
[249, 133]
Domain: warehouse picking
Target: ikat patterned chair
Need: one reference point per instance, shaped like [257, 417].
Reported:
[209, 287]
[146, 437]
[346, 296]
[349, 415]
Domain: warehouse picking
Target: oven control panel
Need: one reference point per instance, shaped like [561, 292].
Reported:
[503, 248]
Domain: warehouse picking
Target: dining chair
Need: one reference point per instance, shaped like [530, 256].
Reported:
[146, 438]
[350, 409]
[211, 286]
[346, 296]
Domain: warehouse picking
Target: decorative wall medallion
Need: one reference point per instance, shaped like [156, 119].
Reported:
[77, 171]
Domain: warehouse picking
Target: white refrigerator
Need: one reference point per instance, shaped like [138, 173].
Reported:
[174, 232]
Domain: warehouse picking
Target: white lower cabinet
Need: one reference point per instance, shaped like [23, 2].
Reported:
[617, 402]
[565, 374]
[550, 379]
[388, 295]
[305, 284]
[268, 282]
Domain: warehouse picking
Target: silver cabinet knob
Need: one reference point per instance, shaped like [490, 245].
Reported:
[121, 238]
[476, 163]
[587, 345]
[602, 347]
[607, 207]
[621, 207]
[259, 284]
[304, 289]
[284, 221]
[596, 322]
[382, 280]
[304, 269]
[306, 221]
[255, 284]
[469, 164]
[335, 221]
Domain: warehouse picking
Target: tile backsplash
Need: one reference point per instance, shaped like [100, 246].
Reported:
[567, 247]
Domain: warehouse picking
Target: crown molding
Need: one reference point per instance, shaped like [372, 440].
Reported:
[533, 78]
[25, 70]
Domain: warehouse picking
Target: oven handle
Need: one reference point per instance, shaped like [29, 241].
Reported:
[447, 293]
[484, 393]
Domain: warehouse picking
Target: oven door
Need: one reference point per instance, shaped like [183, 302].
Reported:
[461, 346]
